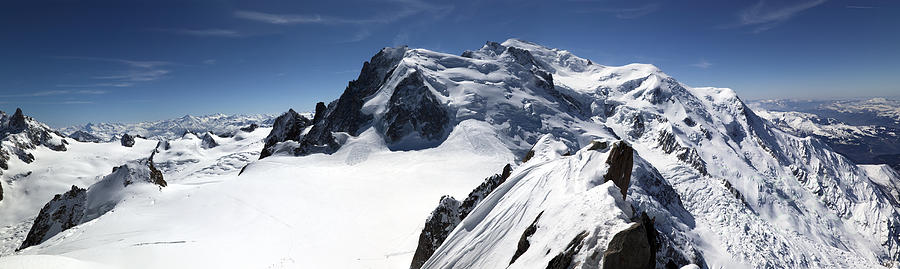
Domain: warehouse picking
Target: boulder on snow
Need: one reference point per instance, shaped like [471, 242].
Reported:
[127, 140]
[635, 247]
[63, 212]
[620, 160]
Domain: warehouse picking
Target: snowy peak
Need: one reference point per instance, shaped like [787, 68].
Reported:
[19, 134]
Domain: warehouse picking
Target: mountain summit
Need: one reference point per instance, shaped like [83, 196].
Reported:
[722, 184]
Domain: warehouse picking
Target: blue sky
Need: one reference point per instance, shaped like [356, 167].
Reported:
[73, 62]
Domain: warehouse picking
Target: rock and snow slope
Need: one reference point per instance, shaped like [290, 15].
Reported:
[721, 186]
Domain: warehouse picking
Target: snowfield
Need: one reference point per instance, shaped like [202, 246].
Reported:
[711, 184]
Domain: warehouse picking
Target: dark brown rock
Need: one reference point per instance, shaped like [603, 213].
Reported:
[63, 212]
[633, 248]
[523, 241]
[564, 259]
[621, 161]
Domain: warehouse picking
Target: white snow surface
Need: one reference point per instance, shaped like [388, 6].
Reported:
[764, 198]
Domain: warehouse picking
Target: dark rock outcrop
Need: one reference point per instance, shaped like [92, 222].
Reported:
[63, 212]
[449, 214]
[621, 161]
[17, 121]
[438, 226]
[287, 127]
[414, 110]
[127, 140]
[250, 128]
[156, 176]
[83, 136]
[635, 247]
[524, 244]
[208, 141]
[479, 193]
[565, 258]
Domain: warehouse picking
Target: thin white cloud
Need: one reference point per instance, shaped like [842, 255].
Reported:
[137, 75]
[140, 71]
[205, 32]
[132, 63]
[401, 9]
[95, 85]
[53, 93]
[277, 18]
[860, 7]
[703, 64]
[763, 16]
[209, 61]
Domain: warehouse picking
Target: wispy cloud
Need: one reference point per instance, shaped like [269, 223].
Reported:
[635, 12]
[205, 32]
[132, 63]
[763, 16]
[95, 85]
[702, 64]
[278, 18]
[860, 7]
[393, 11]
[136, 75]
[140, 71]
[209, 61]
[53, 93]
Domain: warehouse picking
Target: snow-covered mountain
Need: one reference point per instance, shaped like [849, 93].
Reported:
[220, 124]
[611, 166]
[866, 131]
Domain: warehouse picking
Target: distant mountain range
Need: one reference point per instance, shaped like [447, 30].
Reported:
[166, 129]
[867, 131]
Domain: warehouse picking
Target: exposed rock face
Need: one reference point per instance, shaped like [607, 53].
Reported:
[479, 193]
[635, 247]
[449, 213]
[414, 110]
[345, 114]
[523, 241]
[208, 141]
[252, 127]
[17, 121]
[565, 258]
[83, 136]
[621, 161]
[127, 140]
[63, 212]
[287, 127]
[440, 223]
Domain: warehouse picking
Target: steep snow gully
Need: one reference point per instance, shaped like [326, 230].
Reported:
[593, 167]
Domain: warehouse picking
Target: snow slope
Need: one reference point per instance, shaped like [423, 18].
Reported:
[726, 188]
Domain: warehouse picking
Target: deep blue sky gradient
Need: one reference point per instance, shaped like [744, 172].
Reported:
[73, 62]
